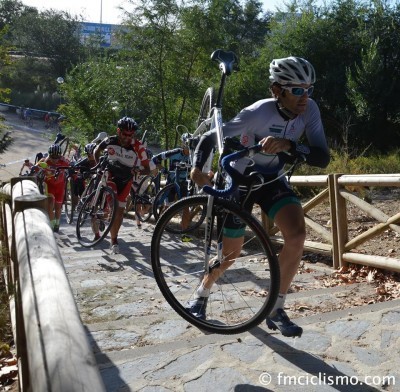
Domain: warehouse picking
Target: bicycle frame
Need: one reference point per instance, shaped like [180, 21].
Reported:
[100, 183]
[179, 167]
[227, 63]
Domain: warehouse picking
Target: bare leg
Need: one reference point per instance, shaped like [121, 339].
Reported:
[231, 250]
[57, 210]
[119, 216]
[199, 177]
[185, 218]
[50, 207]
[290, 221]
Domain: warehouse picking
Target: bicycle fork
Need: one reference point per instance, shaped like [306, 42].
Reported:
[210, 222]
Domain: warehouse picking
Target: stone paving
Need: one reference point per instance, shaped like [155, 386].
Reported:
[142, 345]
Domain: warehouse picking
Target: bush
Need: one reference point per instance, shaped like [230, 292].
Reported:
[341, 162]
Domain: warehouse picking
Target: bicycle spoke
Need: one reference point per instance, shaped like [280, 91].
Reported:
[95, 217]
[241, 296]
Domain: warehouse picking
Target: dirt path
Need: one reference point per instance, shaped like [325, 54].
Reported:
[26, 143]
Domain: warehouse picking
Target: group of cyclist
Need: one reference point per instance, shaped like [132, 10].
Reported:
[277, 124]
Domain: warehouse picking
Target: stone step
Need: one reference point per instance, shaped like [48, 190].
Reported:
[140, 343]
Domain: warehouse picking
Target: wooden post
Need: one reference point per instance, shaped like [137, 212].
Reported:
[333, 213]
[341, 220]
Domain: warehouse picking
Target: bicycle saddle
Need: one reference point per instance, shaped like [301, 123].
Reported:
[227, 60]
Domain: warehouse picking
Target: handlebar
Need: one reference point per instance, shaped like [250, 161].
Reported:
[233, 173]
[35, 169]
[238, 178]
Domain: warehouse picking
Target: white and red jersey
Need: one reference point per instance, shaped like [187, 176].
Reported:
[123, 159]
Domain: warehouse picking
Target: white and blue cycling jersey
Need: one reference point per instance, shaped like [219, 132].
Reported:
[263, 118]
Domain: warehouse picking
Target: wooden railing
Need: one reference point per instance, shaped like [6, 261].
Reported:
[337, 242]
[53, 350]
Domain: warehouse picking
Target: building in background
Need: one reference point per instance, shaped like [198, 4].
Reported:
[105, 33]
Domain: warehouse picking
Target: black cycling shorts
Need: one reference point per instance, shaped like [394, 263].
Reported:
[207, 143]
[271, 198]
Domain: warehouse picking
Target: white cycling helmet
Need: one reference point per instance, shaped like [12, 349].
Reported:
[89, 148]
[291, 70]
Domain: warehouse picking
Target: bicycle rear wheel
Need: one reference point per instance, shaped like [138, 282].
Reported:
[89, 188]
[243, 296]
[64, 145]
[69, 205]
[164, 198]
[206, 106]
[143, 200]
[96, 217]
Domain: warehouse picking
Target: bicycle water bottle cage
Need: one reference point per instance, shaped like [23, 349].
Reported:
[228, 61]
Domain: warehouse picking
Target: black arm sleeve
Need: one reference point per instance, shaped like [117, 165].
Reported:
[314, 156]
[157, 159]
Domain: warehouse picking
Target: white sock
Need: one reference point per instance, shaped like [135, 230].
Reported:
[279, 304]
[202, 291]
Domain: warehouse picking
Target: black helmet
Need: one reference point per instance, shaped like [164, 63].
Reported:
[55, 149]
[127, 124]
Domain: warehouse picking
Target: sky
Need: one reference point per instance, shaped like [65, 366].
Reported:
[91, 10]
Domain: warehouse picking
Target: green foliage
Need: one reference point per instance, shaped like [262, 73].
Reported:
[4, 60]
[46, 46]
[50, 34]
[343, 162]
[162, 67]
[336, 38]
[95, 97]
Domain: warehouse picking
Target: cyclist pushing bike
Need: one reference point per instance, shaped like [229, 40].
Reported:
[82, 166]
[54, 166]
[123, 152]
[277, 124]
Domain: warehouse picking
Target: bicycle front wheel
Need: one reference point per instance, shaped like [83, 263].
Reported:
[143, 200]
[164, 198]
[244, 294]
[69, 204]
[96, 216]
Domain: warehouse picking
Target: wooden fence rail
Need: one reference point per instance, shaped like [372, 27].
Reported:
[52, 347]
[336, 237]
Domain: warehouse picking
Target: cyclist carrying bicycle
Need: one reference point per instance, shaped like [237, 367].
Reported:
[55, 183]
[83, 166]
[276, 123]
[28, 165]
[123, 152]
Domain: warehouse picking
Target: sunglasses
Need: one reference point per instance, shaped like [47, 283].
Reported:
[299, 91]
[127, 134]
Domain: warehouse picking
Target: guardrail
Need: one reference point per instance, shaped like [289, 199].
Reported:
[53, 350]
[337, 242]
